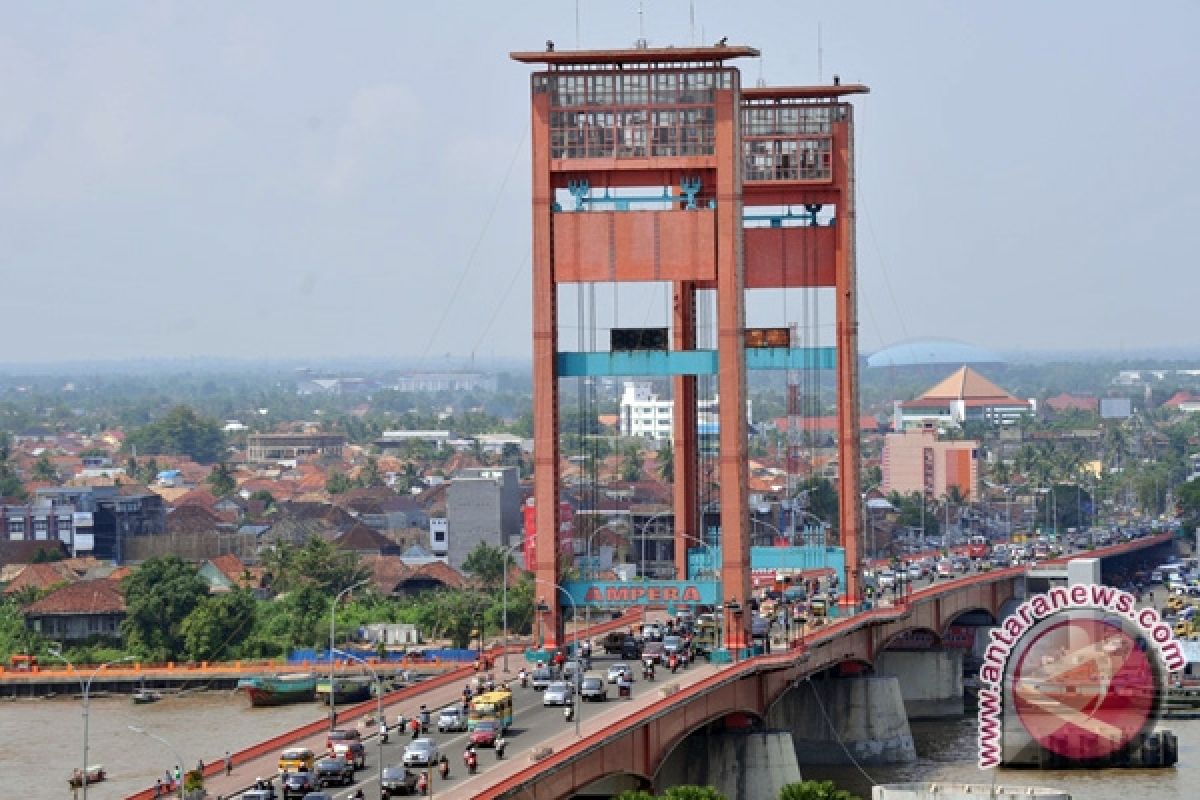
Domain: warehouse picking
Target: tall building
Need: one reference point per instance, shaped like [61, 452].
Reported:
[965, 396]
[917, 461]
[644, 414]
[482, 505]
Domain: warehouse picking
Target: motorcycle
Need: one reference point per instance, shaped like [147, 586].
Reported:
[648, 670]
[444, 768]
[424, 720]
[471, 760]
[383, 732]
[422, 784]
[524, 679]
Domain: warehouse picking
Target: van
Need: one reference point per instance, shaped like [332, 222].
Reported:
[296, 759]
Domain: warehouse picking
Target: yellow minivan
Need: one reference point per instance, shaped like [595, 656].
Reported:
[295, 759]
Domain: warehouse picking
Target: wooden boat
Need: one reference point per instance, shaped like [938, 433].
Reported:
[94, 774]
[143, 696]
[276, 690]
[350, 689]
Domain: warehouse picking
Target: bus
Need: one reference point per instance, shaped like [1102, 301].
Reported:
[496, 706]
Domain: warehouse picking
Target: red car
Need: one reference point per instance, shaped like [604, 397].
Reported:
[485, 734]
[340, 735]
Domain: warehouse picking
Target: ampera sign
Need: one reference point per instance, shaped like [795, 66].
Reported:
[633, 593]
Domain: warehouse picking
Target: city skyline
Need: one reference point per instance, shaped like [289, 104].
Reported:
[286, 182]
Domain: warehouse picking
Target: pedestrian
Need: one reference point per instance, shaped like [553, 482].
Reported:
[178, 775]
[200, 766]
[158, 787]
[228, 763]
[167, 776]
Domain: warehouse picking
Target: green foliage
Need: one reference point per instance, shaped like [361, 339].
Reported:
[665, 463]
[317, 563]
[221, 480]
[159, 596]
[631, 463]
[43, 470]
[14, 636]
[814, 790]
[369, 475]
[691, 793]
[487, 564]
[218, 625]
[338, 482]
[181, 432]
[264, 497]
[43, 556]
[10, 481]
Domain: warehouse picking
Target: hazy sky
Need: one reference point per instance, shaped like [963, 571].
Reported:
[294, 179]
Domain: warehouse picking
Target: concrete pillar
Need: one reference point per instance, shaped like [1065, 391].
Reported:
[931, 681]
[735, 763]
[866, 714]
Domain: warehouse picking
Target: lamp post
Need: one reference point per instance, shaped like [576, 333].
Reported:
[645, 526]
[507, 549]
[169, 746]
[333, 632]
[591, 536]
[379, 699]
[87, 691]
[578, 672]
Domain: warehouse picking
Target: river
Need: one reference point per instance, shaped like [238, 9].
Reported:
[41, 741]
[947, 750]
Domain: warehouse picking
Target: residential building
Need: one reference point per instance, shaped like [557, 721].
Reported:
[482, 505]
[267, 447]
[444, 382]
[965, 396]
[397, 439]
[917, 461]
[79, 611]
[643, 414]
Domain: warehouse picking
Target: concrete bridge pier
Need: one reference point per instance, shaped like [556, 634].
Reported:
[931, 681]
[737, 763]
[863, 715]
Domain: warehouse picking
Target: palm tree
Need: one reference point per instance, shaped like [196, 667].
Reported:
[666, 464]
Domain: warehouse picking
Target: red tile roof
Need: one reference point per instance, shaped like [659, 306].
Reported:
[41, 576]
[85, 597]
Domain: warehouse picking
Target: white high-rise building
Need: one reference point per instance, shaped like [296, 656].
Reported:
[643, 414]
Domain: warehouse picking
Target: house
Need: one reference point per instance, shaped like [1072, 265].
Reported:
[393, 577]
[367, 541]
[225, 573]
[964, 396]
[79, 611]
[1069, 402]
[41, 577]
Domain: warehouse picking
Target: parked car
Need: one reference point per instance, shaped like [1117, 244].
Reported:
[541, 678]
[558, 693]
[593, 688]
[297, 759]
[485, 734]
[451, 718]
[331, 769]
[297, 784]
[398, 781]
[318, 796]
[352, 752]
[421, 752]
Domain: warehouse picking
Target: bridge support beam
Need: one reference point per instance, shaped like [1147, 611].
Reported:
[735, 763]
[931, 681]
[864, 714]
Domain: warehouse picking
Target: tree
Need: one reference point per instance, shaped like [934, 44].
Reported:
[43, 470]
[264, 497]
[665, 461]
[15, 637]
[369, 475]
[631, 463]
[487, 563]
[218, 625]
[317, 563]
[159, 596]
[10, 481]
[181, 432]
[221, 479]
[338, 483]
[814, 790]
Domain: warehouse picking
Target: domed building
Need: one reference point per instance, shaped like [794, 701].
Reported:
[930, 352]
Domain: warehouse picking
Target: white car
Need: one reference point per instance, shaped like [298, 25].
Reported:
[558, 693]
[616, 671]
[421, 752]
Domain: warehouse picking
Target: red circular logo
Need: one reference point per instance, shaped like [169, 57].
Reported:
[1085, 686]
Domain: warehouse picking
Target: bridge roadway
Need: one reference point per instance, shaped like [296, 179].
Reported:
[855, 638]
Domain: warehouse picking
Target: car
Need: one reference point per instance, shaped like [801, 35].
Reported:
[331, 769]
[486, 732]
[652, 632]
[398, 781]
[631, 648]
[297, 784]
[654, 651]
[616, 670]
[571, 669]
[558, 693]
[352, 752]
[318, 796]
[340, 735]
[260, 794]
[421, 752]
[451, 718]
[296, 759]
[887, 579]
[592, 688]
[541, 678]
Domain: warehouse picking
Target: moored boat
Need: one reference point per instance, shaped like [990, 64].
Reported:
[143, 696]
[94, 774]
[277, 690]
[350, 689]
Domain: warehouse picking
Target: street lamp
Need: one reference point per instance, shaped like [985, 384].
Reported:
[591, 536]
[87, 690]
[169, 746]
[379, 699]
[332, 633]
[579, 663]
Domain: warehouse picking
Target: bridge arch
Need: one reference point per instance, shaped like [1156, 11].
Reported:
[916, 630]
[613, 784]
[977, 616]
[681, 752]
